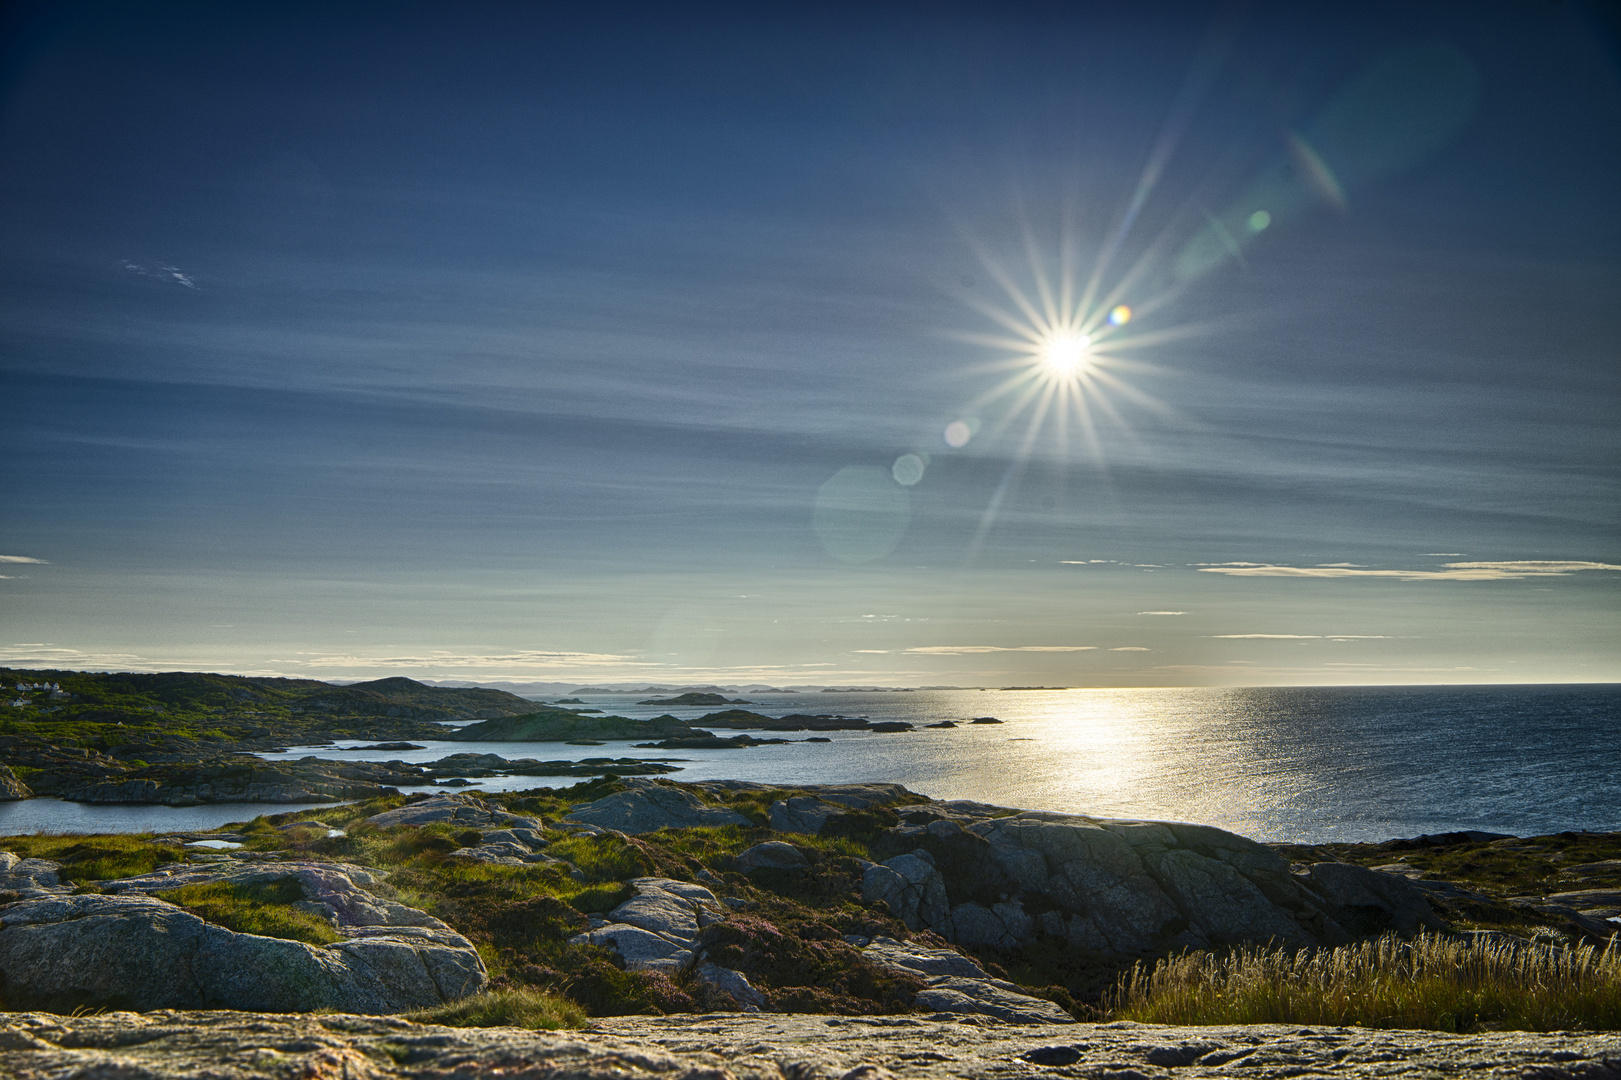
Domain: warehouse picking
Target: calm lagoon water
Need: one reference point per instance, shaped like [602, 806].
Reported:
[1291, 764]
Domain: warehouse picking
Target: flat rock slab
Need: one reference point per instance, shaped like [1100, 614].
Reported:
[467, 811]
[259, 1046]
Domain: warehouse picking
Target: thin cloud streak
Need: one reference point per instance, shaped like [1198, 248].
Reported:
[1306, 637]
[963, 650]
[1461, 571]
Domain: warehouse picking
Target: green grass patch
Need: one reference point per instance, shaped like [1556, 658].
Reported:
[523, 1007]
[263, 908]
[602, 858]
[97, 857]
[1431, 982]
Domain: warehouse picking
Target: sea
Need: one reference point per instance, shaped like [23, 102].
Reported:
[1296, 764]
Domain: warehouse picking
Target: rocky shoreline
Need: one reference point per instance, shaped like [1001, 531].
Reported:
[263, 1046]
[186, 738]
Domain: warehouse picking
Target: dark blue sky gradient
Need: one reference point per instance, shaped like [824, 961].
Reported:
[517, 341]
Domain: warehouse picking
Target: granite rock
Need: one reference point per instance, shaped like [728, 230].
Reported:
[655, 930]
[913, 889]
[463, 811]
[772, 855]
[11, 788]
[647, 807]
[761, 1046]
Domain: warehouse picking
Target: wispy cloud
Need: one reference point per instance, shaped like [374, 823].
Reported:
[1458, 571]
[1307, 637]
[163, 273]
[1130, 648]
[1162, 613]
[962, 650]
[525, 658]
[22, 559]
[52, 655]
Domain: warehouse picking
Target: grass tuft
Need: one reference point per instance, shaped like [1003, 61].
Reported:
[521, 1008]
[1431, 982]
[264, 909]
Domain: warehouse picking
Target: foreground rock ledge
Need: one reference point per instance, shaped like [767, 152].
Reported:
[244, 1046]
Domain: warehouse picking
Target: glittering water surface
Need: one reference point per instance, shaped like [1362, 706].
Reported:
[1303, 764]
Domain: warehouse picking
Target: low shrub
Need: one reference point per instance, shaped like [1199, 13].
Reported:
[806, 968]
[523, 1007]
[1431, 982]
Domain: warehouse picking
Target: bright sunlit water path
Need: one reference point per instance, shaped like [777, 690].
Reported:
[1301, 764]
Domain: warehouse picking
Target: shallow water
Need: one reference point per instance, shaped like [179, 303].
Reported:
[56, 816]
[1293, 764]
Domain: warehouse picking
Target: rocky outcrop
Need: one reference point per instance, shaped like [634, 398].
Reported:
[646, 806]
[953, 983]
[771, 855]
[11, 788]
[462, 811]
[803, 814]
[258, 1046]
[811, 813]
[656, 929]
[509, 847]
[1392, 898]
[733, 984]
[984, 876]
[29, 879]
[129, 949]
[913, 889]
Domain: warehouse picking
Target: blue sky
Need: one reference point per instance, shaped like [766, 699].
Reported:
[511, 341]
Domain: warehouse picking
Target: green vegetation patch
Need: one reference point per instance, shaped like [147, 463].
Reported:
[101, 857]
[263, 908]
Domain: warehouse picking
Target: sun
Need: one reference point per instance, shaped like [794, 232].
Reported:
[1066, 352]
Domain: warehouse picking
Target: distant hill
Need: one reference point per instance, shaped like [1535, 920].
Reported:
[696, 699]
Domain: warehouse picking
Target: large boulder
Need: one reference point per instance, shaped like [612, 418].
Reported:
[134, 951]
[655, 929]
[734, 984]
[30, 878]
[647, 807]
[772, 855]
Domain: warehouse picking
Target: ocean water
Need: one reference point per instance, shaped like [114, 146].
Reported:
[1281, 764]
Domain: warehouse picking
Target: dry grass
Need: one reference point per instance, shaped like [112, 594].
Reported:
[1431, 982]
[522, 1008]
